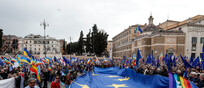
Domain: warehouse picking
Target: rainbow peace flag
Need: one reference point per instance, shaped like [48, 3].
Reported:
[160, 57]
[13, 59]
[176, 81]
[38, 63]
[49, 68]
[89, 61]
[36, 71]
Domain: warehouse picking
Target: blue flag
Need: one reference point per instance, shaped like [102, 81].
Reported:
[55, 59]
[186, 64]
[196, 62]
[153, 61]
[148, 61]
[138, 57]
[202, 64]
[66, 61]
[191, 59]
[174, 62]
[114, 77]
[140, 29]
[1, 63]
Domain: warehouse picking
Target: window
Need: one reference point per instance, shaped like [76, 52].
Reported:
[202, 40]
[194, 40]
[129, 32]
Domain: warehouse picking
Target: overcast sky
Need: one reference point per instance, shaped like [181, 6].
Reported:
[68, 17]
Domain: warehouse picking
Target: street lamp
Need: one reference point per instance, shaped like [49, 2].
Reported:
[44, 24]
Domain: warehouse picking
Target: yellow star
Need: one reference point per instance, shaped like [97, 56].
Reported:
[124, 79]
[94, 74]
[112, 76]
[119, 85]
[83, 86]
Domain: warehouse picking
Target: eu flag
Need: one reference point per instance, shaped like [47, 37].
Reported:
[114, 77]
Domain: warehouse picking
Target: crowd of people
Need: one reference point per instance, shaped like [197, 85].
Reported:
[64, 74]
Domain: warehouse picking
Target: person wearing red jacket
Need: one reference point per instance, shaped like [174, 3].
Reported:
[55, 84]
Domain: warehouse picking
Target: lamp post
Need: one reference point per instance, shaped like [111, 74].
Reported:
[44, 24]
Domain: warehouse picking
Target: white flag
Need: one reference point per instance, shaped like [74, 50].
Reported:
[15, 65]
[7, 83]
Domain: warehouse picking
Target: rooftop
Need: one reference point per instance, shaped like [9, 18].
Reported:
[192, 19]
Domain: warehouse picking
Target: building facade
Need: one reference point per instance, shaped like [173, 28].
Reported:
[35, 44]
[153, 40]
[110, 48]
[194, 38]
[63, 46]
[122, 43]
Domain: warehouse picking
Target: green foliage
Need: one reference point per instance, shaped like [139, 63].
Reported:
[15, 44]
[99, 41]
[80, 47]
[72, 47]
[96, 43]
[89, 46]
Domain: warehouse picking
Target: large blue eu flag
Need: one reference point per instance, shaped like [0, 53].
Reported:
[114, 77]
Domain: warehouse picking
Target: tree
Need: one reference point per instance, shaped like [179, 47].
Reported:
[15, 44]
[89, 45]
[80, 47]
[72, 48]
[94, 39]
[1, 40]
[99, 40]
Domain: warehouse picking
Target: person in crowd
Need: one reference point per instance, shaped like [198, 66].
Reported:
[44, 77]
[55, 83]
[194, 77]
[11, 74]
[70, 73]
[201, 80]
[68, 79]
[18, 81]
[3, 74]
[32, 83]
